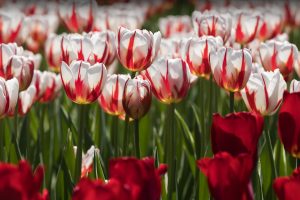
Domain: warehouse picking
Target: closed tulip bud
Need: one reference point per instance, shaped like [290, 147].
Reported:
[196, 54]
[82, 81]
[53, 86]
[87, 47]
[287, 187]
[169, 78]
[9, 91]
[22, 68]
[39, 82]
[77, 16]
[137, 97]
[137, 49]
[288, 123]
[37, 58]
[173, 25]
[111, 97]
[212, 23]
[228, 176]
[264, 91]
[231, 68]
[26, 100]
[246, 26]
[53, 52]
[275, 54]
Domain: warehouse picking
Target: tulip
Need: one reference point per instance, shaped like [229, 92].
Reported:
[196, 54]
[53, 52]
[82, 81]
[11, 26]
[26, 100]
[169, 78]
[53, 86]
[228, 176]
[20, 67]
[212, 23]
[109, 37]
[19, 182]
[39, 27]
[287, 188]
[9, 91]
[88, 47]
[111, 97]
[246, 27]
[140, 176]
[94, 189]
[264, 91]
[137, 49]
[39, 81]
[37, 58]
[236, 133]
[77, 17]
[294, 86]
[275, 54]
[288, 123]
[173, 25]
[170, 48]
[231, 68]
[137, 97]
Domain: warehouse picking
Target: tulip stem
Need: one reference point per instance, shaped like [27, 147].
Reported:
[80, 142]
[2, 140]
[125, 140]
[114, 136]
[136, 138]
[231, 103]
[15, 134]
[171, 153]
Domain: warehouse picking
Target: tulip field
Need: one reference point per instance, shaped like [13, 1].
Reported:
[150, 100]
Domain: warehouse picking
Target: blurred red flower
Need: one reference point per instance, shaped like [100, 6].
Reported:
[18, 182]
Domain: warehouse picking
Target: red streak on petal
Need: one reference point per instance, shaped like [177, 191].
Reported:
[80, 53]
[263, 31]
[2, 74]
[242, 72]
[129, 57]
[266, 93]
[239, 32]
[251, 99]
[274, 58]
[290, 61]
[73, 25]
[224, 72]
[15, 33]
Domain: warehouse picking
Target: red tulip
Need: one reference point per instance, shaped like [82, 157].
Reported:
[287, 188]
[53, 86]
[9, 91]
[289, 123]
[275, 54]
[173, 25]
[169, 78]
[82, 81]
[236, 133]
[231, 68]
[137, 49]
[77, 16]
[140, 176]
[18, 182]
[137, 97]
[110, 99]
[94, 190]
[212, 23]
[196, 54]
[228, 177]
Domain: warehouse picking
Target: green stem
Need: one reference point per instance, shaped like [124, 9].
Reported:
[16, 133]
[171, 154]
[2, 156]
[114, 136]
[125, 140]
[80, 142]
[136, 138]
[231, 103]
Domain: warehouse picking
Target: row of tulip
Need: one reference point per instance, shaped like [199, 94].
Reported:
[246, 54]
